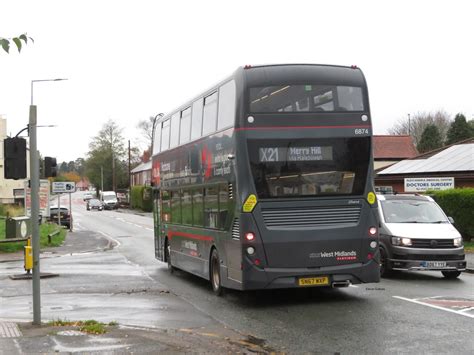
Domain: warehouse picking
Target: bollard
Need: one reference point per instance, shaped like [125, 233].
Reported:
[28, 257]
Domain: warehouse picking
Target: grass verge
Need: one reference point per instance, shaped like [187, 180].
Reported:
[45, 229]
[88, 326]
[469, 247]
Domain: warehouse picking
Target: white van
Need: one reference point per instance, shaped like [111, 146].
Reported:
[415, 234]
[109, 199]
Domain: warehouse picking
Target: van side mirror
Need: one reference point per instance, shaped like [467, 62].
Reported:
[451, 220]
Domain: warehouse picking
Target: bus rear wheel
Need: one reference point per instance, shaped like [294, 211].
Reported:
[215, 273]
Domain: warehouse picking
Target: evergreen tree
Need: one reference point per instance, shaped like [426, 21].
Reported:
[430, 139]
[459, 130]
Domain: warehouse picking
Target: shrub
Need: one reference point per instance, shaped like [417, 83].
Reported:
[142, 198]
[459, 204]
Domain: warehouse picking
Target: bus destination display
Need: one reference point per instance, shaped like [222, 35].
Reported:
[279, 154]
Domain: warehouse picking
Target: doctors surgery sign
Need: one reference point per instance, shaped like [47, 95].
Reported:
[425, 184]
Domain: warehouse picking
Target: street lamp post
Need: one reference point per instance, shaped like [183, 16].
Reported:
[34, 185]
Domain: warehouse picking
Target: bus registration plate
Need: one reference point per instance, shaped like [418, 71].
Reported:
[313, 281]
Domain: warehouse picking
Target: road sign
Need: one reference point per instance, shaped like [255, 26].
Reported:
[43, 198]
[64, 186]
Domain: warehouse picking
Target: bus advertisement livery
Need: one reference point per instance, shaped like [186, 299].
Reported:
[265, 181]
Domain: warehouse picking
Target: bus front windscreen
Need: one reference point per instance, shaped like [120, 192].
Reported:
[309, 167]
[305, 98]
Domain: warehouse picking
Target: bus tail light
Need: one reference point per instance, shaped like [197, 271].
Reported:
[370, 256]
[257, 262]
[249, 236]
[372, 231]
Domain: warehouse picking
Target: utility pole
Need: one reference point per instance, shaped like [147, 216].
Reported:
[409, 125]
[129, 170]
[35, 242]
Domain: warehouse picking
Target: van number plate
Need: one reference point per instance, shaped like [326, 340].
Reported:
[433, 264]
[313, 281]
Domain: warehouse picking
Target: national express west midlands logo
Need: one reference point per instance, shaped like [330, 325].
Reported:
[338, 255]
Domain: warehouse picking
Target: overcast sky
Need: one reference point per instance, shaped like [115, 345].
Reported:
[128, 60]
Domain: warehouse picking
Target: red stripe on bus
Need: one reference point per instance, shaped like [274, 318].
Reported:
[296, 127]
[189, 235]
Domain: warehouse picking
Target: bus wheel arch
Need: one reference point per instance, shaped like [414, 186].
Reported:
[215, 272]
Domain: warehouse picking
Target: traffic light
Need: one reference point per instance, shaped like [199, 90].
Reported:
[15, 158]
[50, 167]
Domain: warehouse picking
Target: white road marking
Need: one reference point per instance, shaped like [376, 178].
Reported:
[110, 238]
[433, 306]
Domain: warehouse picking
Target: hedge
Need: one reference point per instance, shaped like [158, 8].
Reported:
[141, 198]
[459, 204]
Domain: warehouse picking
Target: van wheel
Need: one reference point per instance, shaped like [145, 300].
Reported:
[215, 273]
[385, 269]
[451, 275]
[171, 268]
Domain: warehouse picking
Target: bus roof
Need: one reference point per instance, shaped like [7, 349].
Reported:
[283, 73]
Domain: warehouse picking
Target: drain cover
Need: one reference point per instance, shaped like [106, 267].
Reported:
[9, 330]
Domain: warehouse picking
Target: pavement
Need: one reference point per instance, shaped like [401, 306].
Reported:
[192, 333]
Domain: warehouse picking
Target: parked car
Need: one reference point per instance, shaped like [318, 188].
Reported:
[94, 204]
[415, 234]
[87, 196]
[65, 216]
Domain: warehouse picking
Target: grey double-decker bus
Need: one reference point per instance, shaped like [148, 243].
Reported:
[265, 180]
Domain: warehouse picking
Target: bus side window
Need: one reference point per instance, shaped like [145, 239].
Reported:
[196, 119]
[174, 130]
[165, 135]
[185, 126]
[176, 206]
[187, 208]
[223, 205]
[211, 207]
[165, 206]
[209, 114]
[198, 208]
[157, 139]
[226, 113]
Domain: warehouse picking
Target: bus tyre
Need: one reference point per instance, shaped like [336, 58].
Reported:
[451, 274]
[215, 273]
[171, 268]
[385, 269]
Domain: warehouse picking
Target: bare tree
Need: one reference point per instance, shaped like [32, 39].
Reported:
[414, 125]
[146, 128]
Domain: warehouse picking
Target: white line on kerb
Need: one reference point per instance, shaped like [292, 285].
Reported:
[110, 238]
[433, 306]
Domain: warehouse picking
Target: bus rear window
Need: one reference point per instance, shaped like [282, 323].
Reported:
[305, 98]
[309, 167]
